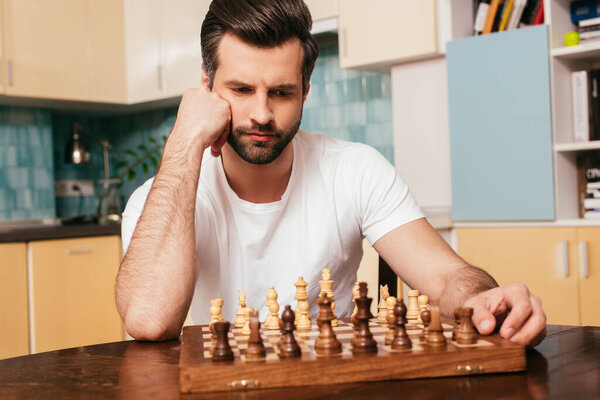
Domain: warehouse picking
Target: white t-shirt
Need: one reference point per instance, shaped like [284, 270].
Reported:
[338, 193]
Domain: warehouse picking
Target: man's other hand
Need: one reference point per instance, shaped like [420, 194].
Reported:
[514, 310]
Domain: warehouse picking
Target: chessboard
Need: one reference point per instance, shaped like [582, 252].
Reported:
[199, 373]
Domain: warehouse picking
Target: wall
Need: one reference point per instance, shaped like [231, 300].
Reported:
[26, 164]
[351, 105]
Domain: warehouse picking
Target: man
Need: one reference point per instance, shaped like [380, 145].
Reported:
[274, 202]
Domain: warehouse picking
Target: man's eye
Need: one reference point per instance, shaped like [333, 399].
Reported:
[241, 90]
[283, 93]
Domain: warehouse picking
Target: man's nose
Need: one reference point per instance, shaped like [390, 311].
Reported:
[261, 110]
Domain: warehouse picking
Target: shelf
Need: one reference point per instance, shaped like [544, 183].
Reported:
[583, 146]
[581, 51]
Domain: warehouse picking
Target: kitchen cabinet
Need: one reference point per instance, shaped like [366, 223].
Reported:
[383, 32]
[45, 49]
[14, 323]
[73, 298]
[323, 9]
[549, 260]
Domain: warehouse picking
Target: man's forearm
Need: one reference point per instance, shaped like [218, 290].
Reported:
[462, 284]
[157, 276]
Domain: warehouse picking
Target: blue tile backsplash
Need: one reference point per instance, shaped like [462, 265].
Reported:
[348, 104]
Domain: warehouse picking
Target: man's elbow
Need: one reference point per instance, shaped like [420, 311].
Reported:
[152, 331]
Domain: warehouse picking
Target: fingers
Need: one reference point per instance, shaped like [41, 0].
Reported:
[533, 330]
[518, 299]
[215, 148]
[483, 318]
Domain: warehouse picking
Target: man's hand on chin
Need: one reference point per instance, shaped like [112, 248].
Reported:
[516, 312]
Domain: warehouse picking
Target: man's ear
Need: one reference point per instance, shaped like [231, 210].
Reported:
[306, 93]
[204, 79]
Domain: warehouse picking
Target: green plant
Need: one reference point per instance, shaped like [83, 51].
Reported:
[128, 168]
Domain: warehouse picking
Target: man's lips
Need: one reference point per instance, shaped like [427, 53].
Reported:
[259, 136]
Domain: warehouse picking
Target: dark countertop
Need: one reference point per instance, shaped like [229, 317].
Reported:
[57, 232]
[566, 365]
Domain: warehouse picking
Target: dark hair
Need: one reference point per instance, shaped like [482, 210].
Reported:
[263, 23]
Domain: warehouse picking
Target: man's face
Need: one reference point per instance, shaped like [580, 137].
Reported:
[264, 88]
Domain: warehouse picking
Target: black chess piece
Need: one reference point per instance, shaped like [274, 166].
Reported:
[222, 350]
[326, 343]
[426, 317]
[288, 347]
[256, 348]
[401, 340]
[362, 341]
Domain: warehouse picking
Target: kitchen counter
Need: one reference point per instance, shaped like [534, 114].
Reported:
[57, 232]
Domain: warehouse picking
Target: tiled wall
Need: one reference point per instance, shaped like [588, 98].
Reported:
[26, 180]
[352, 105]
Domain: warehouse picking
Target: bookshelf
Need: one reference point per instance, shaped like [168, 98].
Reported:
[563, 61]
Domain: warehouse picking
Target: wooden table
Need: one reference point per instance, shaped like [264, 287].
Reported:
[565, 365]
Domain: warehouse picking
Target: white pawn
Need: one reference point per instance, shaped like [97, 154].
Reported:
[246, 327]
[273, 318]
[215, 310]
[271, 298]
[423, 302]
[304, 322]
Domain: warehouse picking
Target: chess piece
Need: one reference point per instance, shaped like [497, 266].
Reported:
[273, 323]
[326, 343]
[466, 331]
[426, 317]
[355, 295]
[288, 347]
[456, 322]
[301, 295]
[256, 349]
[401, 340]
[222, 350]
[213, 338]
[390, 303]
[304, 321]
[362, 341]
[215, 310]
[382, 306]
[271, 298]
[435, 336]
[423, 301]
[326, 285]
[240, 318]
[246, 328]
[413, 307]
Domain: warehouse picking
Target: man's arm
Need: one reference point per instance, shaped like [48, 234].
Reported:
[417, 253]
[155, 284]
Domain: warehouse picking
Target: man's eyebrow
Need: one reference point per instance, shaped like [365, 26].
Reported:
[284, 86]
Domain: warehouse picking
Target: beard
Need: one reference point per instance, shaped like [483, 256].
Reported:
[261, 153]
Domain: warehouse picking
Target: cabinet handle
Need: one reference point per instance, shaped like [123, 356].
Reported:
[9, 69]
[562, 259]
[79, 251]
[342, 34]
[583, 259]
[160, 86]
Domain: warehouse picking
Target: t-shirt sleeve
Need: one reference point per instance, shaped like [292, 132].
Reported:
[133, 211]
[382, 199]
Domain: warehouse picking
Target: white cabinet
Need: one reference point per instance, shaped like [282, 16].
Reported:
[323, 9]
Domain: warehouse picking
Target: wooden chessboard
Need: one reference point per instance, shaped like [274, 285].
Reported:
[198, 373]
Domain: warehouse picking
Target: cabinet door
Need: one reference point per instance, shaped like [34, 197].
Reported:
[534, 256]
[500, 127]
[590, 276]
[182, 56]
[73, 292]
[323, 9]
[46, 49]
[2, 70]
[380, 32]
[14, 323]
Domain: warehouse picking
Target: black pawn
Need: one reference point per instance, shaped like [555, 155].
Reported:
[256, 348]
[222, 350]
[288, 347]
[401, 339]
[362, 341]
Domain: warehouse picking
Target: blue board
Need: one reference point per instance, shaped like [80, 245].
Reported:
[501, 126]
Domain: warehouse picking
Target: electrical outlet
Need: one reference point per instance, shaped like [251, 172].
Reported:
[67, 188]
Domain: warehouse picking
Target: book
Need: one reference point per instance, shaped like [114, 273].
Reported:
[594, 103]
[593, 185]
[584, 9]
[589, 203]
[539, 18]
[515, 18]
[588, 179]
[491, 16]
[480, 17]
[581, 123]
[530, 11]
[588, 22]
[591, 214]
[508, 5]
